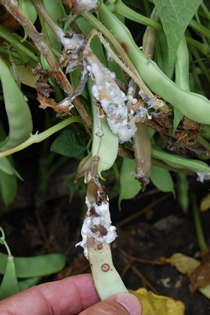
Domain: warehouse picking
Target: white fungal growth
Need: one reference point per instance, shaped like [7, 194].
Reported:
[142, 114]
[203, 176]
[97, 225]
[73, 46]
[112, 99]
[148, 99]
[85, 5]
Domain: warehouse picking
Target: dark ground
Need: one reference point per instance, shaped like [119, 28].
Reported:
[139, 237]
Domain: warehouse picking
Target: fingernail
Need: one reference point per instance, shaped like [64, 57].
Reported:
[130, 302]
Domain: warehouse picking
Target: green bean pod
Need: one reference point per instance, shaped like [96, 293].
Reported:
[181, 75]
[18, 112]
[30, 11]
[201, 168]
[192, 105]
[9, 283]
[106, 278]
[8, 182]
[109, 143]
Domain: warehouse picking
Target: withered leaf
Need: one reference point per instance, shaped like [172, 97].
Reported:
[153, 304]
[200, 277]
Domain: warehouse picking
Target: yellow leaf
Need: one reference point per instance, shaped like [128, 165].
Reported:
[187, 265]
[183, 264]
[206, 290]
[205, 203]
[153, 304]
[26, 76]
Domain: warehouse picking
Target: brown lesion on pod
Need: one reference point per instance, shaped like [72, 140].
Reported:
[99, 246]
[105, 267]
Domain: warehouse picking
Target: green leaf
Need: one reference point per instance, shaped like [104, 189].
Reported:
[8, 188]
[71, 143]
[9, 285]
[129, 186]
[7, 168]
[28, 283]
[175, 16]
[162, 179]
[38, 266]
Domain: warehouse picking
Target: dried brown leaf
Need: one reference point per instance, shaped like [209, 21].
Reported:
[201, 275]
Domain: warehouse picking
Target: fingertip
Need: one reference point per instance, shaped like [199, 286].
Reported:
[129, 301]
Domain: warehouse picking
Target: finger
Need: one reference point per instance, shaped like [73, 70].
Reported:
[117, 304]
[68, 296]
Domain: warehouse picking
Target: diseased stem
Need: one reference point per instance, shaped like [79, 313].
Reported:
[142, 151]
[119, 49]
[150, 36]
[41, 9]
[38, 39]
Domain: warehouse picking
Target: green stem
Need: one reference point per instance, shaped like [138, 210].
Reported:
[198, 227]
[204, 143]
[200, 62]
[203, 37]
[43, 135]
[4, 33]
[116, 171]
[204, 48]
[3, 242]
[200, 28]
[205, 10]
[121, 9]
[128, 13]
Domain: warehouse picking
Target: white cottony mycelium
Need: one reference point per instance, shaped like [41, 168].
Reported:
[116, 110]
[112, 99]
[203, 176]
[85, 5]
[73, 46]
[97, 224]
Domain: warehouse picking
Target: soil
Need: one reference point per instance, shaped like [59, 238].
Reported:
[160, 232]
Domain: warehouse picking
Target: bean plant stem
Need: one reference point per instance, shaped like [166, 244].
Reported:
[3, 241]
[119, 49]
[205, 10]
[200, 62]
[38, 39]
[204, 143]
[42, 136]
[121, 9]
[4, 33]
[198, 227]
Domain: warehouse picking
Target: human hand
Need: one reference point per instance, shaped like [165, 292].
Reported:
[70, 296]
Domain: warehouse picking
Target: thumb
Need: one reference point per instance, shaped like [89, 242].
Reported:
[117, 304]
